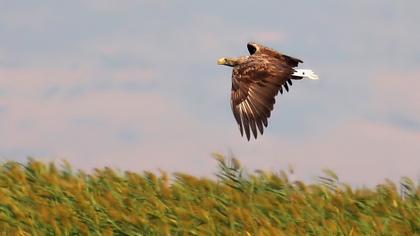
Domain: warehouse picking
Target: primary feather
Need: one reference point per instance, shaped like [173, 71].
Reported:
[256, 80]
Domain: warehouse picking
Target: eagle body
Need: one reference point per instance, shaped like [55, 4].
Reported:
[256, 80]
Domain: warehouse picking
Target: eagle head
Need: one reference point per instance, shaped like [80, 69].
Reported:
[228, 61]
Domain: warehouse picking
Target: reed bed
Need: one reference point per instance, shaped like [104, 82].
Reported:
[42, 199]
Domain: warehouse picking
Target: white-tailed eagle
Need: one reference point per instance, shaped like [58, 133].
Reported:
[256, 80]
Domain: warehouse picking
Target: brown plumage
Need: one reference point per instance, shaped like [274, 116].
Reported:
[256, 80]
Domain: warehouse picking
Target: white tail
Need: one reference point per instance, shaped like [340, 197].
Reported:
[306, 73]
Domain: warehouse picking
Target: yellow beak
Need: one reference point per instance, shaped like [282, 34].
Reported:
[221, 61]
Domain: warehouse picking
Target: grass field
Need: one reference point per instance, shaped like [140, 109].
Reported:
[42, 199]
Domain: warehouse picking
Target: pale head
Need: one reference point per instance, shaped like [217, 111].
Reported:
[228, 61]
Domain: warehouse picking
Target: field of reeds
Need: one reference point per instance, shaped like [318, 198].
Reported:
[46, 199]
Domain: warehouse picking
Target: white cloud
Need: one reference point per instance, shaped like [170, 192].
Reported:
[138, 88]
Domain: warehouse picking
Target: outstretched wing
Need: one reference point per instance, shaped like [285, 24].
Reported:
[255, 83]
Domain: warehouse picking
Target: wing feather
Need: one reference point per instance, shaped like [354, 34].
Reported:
[253, 118]
[255, 84]
[258, 118]
[245, 120]
[286, 87]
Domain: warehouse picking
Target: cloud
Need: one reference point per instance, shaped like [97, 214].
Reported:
[135, 85]
[145, 129]
[360, 151]
[393, 98]
[35, 81]
[270, 36]
[396, 91]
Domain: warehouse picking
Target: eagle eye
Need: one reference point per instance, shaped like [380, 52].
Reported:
[251, 48]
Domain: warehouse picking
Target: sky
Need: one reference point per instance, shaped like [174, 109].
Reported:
[134, 85]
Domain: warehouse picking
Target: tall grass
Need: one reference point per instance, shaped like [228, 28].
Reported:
[43, 199]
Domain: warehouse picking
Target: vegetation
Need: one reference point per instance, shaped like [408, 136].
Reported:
[43, 199]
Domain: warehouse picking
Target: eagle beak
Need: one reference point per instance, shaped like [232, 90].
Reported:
[221, 61]
[313, 76]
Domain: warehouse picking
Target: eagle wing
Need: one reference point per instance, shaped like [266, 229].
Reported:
[255, 83]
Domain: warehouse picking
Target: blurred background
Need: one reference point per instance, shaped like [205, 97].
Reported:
[134, 85]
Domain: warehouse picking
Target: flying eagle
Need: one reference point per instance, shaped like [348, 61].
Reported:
[256, 80]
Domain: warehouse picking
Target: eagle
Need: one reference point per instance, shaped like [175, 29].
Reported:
[256, 80]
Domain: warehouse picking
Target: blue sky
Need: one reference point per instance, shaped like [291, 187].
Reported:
[135, 85]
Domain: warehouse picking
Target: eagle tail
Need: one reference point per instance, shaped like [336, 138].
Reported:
[304, 73]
